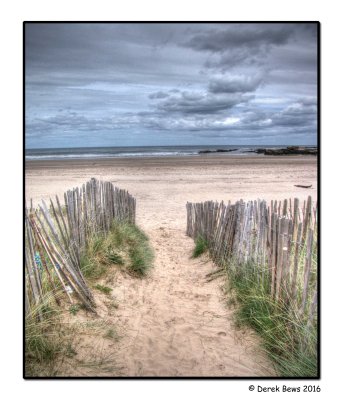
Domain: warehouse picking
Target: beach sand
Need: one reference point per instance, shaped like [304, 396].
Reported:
[162, 186]
[174, 323]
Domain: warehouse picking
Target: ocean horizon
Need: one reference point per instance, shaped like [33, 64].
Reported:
[139, 151]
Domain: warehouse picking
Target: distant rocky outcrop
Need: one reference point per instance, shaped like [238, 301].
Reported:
[290, 150]
[217, 151]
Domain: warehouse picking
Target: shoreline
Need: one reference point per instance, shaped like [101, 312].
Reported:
[102, 153]
[136, 161]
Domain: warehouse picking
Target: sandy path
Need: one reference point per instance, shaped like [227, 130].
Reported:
[177, 324]
[174, 323]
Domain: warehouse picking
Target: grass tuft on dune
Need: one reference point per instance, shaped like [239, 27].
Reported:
[286, 337]
[126, 245]
[201, 246]
[45, 341]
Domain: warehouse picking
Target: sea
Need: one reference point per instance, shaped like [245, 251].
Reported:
[137, 152]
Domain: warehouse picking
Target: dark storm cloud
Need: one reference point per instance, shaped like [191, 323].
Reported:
[297, 115]
[233, 84]
[222, 94]
[237, 36]
[238, 44]
[81, 53]
[133, 83]
[201, 102]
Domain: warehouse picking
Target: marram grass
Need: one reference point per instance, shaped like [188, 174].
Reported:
[44, 342]
[47, 340]
[125, 245]
[286, 337]
[201, 246]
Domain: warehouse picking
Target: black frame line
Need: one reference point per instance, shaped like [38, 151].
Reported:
[318, 24]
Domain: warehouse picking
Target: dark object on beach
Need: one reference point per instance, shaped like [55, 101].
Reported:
[225, 151]
[290, 150]
[258, 151]
[304, 186]
[216, 151]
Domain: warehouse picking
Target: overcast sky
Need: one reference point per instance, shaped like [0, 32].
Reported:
[170, 84]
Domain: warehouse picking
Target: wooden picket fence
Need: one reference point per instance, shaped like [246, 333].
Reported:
[279, 240]
[56, 236]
